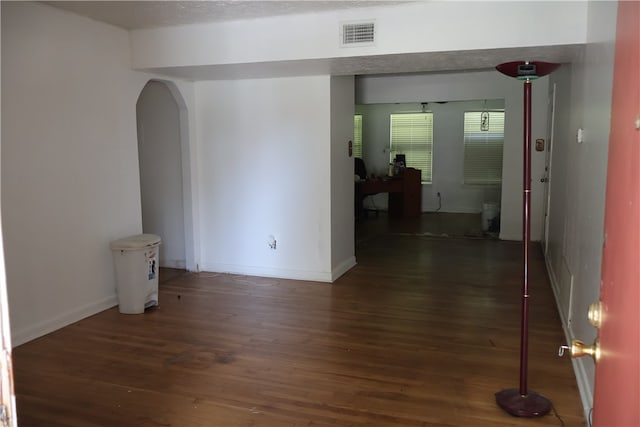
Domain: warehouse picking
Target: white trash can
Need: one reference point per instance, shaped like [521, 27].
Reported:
[490, 215]
[136, 261]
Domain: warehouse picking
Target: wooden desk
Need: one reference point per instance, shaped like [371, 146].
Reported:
[405, 193]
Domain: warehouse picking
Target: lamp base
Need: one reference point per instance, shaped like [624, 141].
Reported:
[529, 405]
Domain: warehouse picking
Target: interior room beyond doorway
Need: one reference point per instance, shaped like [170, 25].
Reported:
[458, 149]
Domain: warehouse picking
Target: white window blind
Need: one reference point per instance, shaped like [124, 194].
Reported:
[357, 135]
[412, 135]
[483, 148]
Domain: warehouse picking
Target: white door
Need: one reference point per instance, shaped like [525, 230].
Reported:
[546, 177]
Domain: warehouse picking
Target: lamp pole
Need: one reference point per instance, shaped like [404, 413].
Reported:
[523, 402]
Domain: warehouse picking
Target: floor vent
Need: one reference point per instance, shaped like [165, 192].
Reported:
[357, 33]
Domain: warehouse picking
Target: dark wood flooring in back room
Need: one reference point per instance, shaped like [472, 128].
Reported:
[422, 332]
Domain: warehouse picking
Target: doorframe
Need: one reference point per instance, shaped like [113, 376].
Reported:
[551, 118]
[7, 392]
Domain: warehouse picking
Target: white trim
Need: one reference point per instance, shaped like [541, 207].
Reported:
[462, 210]
[341, 269]
[582, 379]
[548, 170]
[313, 276]
[45, 327]
[174, 263]
[513, 237]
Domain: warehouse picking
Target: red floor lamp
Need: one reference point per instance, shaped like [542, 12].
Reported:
[522, 402]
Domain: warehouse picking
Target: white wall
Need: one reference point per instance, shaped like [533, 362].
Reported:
[265, 163]
[578, 183]
[414, 27]
[160, 159]
[479, 85]
[69, 163]
[342, 188]
[448, 153]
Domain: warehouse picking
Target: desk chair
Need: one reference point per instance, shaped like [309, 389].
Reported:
[361, 170]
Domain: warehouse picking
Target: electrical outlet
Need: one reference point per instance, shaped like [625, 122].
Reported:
[438, 194]
[272, 242]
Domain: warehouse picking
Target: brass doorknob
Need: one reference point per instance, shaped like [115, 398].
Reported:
[580, 349]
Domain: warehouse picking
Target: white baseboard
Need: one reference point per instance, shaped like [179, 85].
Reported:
[313, 276]
[582, 379]
[173, 263]
[347, 265]
[584, 387]
[43, 328]
[513, 237]
[460, 210]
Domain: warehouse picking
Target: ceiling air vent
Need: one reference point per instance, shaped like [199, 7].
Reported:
[357, 33]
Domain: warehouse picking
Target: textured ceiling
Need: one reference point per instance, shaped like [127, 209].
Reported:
[152, 14]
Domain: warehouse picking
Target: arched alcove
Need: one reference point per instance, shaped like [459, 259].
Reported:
[160, 126]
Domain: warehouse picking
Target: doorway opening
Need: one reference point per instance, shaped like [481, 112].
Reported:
[458, 148]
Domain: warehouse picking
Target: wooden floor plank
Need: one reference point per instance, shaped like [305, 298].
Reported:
[422, 332]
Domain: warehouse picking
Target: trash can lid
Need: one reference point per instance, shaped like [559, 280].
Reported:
[139, 241]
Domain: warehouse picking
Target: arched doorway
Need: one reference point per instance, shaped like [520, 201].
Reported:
[161, 174]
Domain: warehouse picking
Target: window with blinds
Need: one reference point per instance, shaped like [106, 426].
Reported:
[357, 135]
[412, 135]
[483, 141]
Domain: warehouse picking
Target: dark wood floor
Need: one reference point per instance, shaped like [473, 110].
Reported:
[422, 332]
